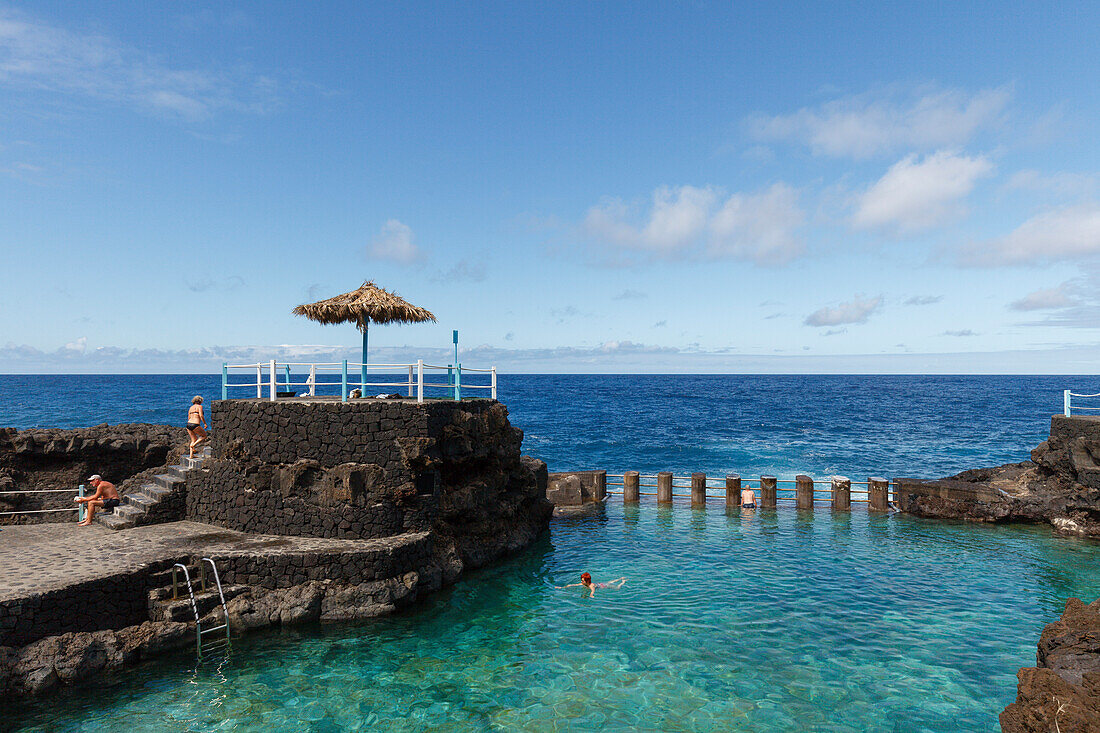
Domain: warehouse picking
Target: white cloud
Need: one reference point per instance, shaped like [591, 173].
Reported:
[1067, 233]
[856, 310]
[395, 243]
[963, 333]
[38, 56]
[77, 347]
[610, 356]
[676, 218]
[691, 222]
[924, 300]
[1045, 299]
[759, 227]
[918, 194]
[885, 121]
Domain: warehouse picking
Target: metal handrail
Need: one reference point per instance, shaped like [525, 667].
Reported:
[266, 378]
[80, 509]
[221, 596]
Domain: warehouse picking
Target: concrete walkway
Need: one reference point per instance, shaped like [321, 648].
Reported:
[35, 558]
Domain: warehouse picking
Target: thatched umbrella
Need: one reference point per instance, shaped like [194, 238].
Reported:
[369, 304]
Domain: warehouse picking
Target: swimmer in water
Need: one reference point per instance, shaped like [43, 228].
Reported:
[586, 581]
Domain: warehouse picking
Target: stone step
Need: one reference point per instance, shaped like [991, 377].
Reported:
[114, 521]
[162, 582]
[136, 504]
[164, 594]
[180, 609]
[155, 491]
[141, 500]
[177, 471]
[167, 481]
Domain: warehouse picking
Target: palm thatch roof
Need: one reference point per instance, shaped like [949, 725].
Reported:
[368, 304]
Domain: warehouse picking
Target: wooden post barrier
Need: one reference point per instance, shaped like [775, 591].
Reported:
[698, 490]
[767, 491]
[664, 487]
[842, 493]
[733, 490]
[630, 487]
[803, 491]
[878, 493]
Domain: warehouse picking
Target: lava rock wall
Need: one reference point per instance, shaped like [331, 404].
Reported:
[372, 469]
[63, 459]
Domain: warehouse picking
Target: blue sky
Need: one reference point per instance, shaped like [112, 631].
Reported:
[676, 187]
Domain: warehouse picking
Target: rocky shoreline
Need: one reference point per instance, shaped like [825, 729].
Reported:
[1062, 692]
[1060, 487]
[74, 657]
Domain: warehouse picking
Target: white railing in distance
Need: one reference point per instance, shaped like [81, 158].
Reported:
[412, 378]
[1067, 402]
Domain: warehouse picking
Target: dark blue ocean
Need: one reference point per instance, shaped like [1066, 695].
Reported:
[923, 426]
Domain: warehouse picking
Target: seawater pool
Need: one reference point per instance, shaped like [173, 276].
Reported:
[767, 620]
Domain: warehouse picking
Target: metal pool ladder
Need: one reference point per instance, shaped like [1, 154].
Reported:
[201, 645]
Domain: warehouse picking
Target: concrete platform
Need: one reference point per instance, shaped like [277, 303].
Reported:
[39, 558]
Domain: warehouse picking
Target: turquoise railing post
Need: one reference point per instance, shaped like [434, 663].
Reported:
[451, 379]
[344, 383]
[362, 368]
[288, 377]
[225, 380]
[458, 382]
[82, 507]
[1066, 403]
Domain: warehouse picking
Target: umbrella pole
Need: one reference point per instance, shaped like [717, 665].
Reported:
[363, 368]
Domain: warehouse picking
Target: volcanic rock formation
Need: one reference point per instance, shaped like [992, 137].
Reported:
[1059, 486]
[1062, 692]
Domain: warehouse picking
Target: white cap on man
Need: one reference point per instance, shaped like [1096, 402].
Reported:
[95, 477]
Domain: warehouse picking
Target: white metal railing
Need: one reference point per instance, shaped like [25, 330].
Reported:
[79, 508]
[1067, 402]
[274, 379]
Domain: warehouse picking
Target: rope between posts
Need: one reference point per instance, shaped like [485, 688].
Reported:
[717, 496]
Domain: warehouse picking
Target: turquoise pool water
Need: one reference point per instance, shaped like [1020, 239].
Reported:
[764, 621]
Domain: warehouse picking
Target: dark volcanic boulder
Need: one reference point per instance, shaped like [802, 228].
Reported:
[1062, 693]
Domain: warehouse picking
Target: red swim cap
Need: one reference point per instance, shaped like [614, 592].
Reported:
[586, 577]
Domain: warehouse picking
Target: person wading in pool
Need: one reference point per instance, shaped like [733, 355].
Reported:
[196, 424]
[586, 581]
[105, 496]
[748, 499]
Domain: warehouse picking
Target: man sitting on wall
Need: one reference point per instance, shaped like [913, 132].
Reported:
[105, 497]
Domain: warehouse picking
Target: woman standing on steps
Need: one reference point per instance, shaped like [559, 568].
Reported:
[196, 424]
